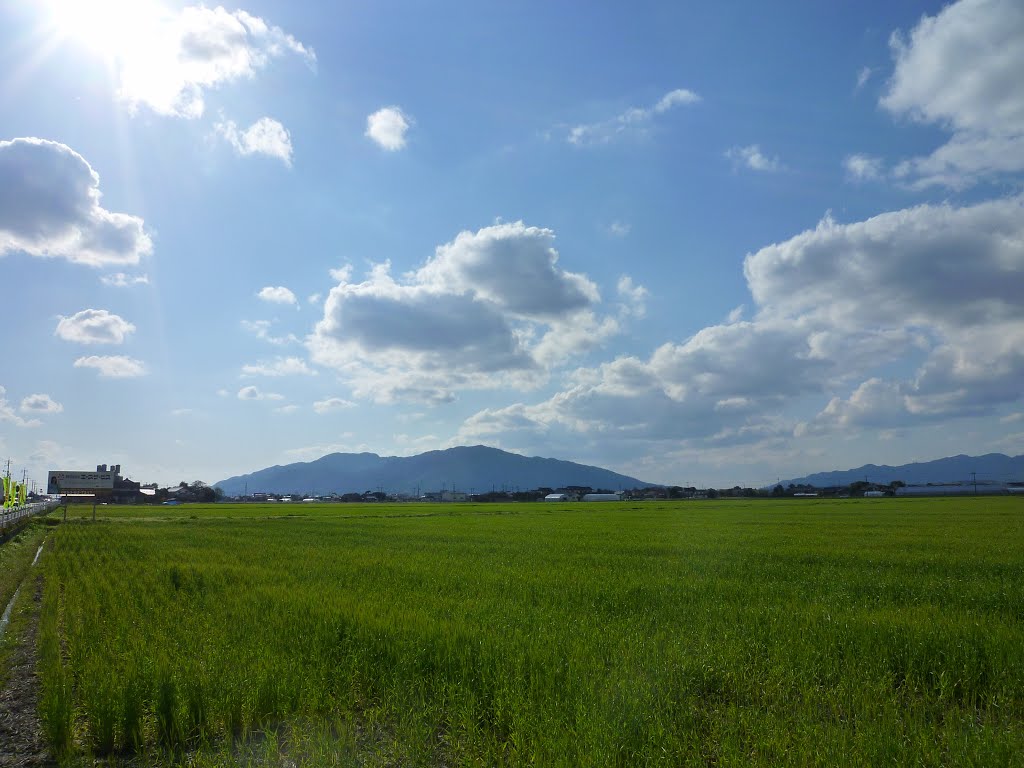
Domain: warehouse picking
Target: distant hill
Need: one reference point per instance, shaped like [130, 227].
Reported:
[990, 468]
[476, 468]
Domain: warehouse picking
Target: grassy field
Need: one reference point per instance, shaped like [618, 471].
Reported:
[855, 632]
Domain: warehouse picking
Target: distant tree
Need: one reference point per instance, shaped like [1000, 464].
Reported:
[712, 493]
[200, 491]
[858, 488]
[778, 490]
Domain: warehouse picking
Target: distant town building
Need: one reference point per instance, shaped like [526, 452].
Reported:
[602, 497]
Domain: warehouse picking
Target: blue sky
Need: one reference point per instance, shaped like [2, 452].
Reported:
[707, 244]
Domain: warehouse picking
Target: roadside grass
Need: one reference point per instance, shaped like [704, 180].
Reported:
[16, 557]
[855, 632]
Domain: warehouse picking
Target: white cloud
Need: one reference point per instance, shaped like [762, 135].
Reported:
[388, 128]
[123, 280]
[1012, 418]
[254, 393]
[513, 266]
[678, 97]
[619, 229]
[287, 409]
[634, 297]
[491, 308]
[50, 208]
[40, 403]
[94, 326]
[341, 274]
[332, 404]
[861, 167]
[262, 330]
[752, 157]
[960, 69]
[277, 295]
[8, 414]
[863, 76]
[635, 120]
[175, 58]
[264, 137]
[281, 366]
[113, 366]
[906, 318]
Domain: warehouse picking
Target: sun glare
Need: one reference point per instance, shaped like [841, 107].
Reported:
[111, 28]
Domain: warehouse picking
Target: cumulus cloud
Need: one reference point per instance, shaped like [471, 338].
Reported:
[113, 366]
[490, 308]
[123, 280]
[94, 326]
[10, 415]
[176, 57]
[255, 393]
[50, 208]
[388, 127]
[906, 318]
[281, 366]
[277, 294]
[635, 120]
[960, 69]
[633, 297]
[40, 403]
[753, 158]
[332, 404]
[264, 137]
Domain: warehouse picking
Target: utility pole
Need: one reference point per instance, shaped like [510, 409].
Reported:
[974, 477]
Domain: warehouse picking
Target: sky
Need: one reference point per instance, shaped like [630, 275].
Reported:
[703, 243]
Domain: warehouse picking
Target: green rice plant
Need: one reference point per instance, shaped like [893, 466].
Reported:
[132, 712]
[754, 633]
[102, 707]
[55, 700]
[168, 724]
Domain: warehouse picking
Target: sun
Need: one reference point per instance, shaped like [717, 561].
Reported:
[114, 29]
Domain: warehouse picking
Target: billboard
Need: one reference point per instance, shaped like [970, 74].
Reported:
[62, 481]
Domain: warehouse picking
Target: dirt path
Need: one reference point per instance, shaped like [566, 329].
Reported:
[21, 740]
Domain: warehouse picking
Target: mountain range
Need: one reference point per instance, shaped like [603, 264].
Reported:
[470, 469]
[990, 468]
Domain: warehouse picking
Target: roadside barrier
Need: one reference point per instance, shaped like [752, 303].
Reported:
[11, 517]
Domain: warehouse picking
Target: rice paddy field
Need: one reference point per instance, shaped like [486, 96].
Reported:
[860, 632]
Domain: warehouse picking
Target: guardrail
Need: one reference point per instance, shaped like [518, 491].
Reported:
[10, 517]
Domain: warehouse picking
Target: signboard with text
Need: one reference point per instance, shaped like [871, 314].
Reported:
[62, 481]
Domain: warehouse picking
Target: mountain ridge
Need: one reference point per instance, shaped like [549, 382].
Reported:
[465, 468]
[989, 467]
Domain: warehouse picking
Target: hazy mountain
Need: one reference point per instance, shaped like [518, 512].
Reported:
[476, 468]
[992, 467]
